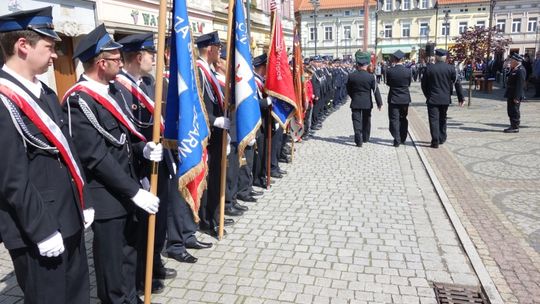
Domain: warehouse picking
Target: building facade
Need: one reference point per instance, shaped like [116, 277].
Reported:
[519, 20]
[335, 28]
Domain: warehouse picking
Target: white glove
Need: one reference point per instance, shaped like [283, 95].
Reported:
[228, 144]
[252, 142]
[145, 183]
[222, 122]
[88, 215]
[276, 125]
[52, 246]
[146, 201]
[153, 152]
[268, 101]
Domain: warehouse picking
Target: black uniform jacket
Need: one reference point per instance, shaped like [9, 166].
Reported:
[110, 169]
[515, 83]
[359, 87]
[37, 194]
[398, 78]
[437, 84]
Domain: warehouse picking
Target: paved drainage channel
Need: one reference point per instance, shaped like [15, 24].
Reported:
[458, 294]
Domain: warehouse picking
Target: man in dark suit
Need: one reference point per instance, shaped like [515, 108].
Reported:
[398, 78]
[110, 146]
[42, 184]
[437, 83]
[514, 91]
[359, 87]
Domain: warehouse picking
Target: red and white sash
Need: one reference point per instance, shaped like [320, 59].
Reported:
[107, 101]
[47, 126]
[213, 82]
[134, 89]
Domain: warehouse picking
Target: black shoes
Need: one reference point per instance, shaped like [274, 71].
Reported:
[511, 130]
[164, 273]
[184, 257]
[256, 193]
[237, 205]
[198, 245]
[282, 172]
[231, 211]
[434, 145]
[157, 287]
[276, 175]
[396, 143]
[228, 222]
[249, 199]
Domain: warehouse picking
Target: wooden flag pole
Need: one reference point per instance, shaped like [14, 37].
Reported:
[156, 134]
[226, 104]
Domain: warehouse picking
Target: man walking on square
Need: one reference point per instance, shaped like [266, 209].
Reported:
[437, 83]
[514, 92]
[398, 78]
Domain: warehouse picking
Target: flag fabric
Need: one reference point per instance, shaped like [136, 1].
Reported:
[279, 82]
[246, 101]
[298, 76]
[186, 122]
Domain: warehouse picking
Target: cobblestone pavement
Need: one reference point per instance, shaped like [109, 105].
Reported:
[345, 225]
[493, 182]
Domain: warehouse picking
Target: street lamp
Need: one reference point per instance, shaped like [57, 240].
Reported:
[446, 29]
[316, 5]
[338, 23]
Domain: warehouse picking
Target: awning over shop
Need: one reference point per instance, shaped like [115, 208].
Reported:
[393, 49]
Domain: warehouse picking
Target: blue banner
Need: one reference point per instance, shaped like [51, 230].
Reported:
[185, 121]
[248, 114]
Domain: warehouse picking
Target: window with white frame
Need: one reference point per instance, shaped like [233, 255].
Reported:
[388, 31]
[516, 25]
[405, 5]
[501, 25]
[361, 12]
[445, 28]
[463, 25]
[328, 30]
[532, 24]
[406, 30]
[346, 13]
[347, 32]
[424, 4]
[361, 31]
[481, 24]
[424, 28]
[388, 5]
[312, 33]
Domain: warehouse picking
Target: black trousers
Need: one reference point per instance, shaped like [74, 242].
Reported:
[437, 123]
[277, 139]
[245, 175]
[233, 170]
[512, 109]
[397, 117]
[361, 119]
[208, 212]
[307, 120]
[63, 279]
[181, 227]
[160, 228]
[115, 259]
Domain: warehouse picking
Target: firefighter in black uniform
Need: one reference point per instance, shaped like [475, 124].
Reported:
[359, 87]
[110, 146]
[398, 78]
[514, 91]
[437, 82]
[42, 183]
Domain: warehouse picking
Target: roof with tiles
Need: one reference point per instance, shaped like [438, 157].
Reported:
[447, 2]
[305, 5]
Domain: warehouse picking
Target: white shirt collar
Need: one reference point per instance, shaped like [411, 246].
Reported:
[34, 87]
[103, 87]
[135, 79]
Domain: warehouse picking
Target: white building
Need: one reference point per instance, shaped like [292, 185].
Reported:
[519, 20]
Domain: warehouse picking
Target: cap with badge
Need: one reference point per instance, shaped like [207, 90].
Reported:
[517, 57]
[37, 20]
[94, 43]
[138, 42]
[208, 39]
[441, 52]
[362, 58]
[260, 60]
[398, 55]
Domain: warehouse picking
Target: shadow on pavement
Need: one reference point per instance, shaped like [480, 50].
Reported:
[342, 140]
